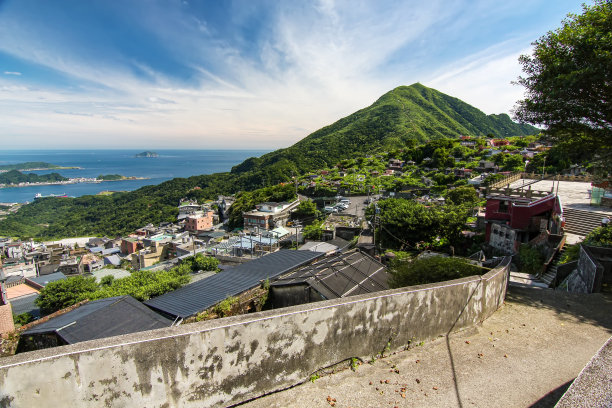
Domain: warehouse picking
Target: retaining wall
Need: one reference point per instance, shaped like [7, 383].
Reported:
[226, 361]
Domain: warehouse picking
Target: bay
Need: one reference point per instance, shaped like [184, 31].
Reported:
[170, 164]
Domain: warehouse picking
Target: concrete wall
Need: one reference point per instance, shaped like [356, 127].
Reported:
[592, 387]
[226, 361]
[587, 277]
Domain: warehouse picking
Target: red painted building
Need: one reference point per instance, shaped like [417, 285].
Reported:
[512, 220]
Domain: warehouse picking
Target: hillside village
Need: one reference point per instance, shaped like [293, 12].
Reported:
[337, 219]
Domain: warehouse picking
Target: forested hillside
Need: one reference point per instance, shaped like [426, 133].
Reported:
[406, 113]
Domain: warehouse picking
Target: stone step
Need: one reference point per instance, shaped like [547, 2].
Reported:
[521, 278]
[548, 278]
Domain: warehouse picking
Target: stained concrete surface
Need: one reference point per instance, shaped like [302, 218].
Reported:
[525, 355]
[573, 194]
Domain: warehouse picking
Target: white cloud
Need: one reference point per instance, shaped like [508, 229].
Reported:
[483, 80]
[317, 64]
[12, 73]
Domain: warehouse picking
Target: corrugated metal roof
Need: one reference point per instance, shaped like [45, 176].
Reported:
[346, 274]
[102, 318]
[199, 296]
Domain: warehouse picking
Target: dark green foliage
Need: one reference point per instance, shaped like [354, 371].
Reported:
[107, 280]
[431, 270]
[552, 161]
[63, 293]
[110, 177]
[492, 178]
[313, 231]
[531, 259]
[16, 177]
[306, 212]
[23, 318]
[141, 285]
[28, 165]
[601, 237]
[465, 195]
[405, 224]
[572, 253]
[568, 80]
[199, 263]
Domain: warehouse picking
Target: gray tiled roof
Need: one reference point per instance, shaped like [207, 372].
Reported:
[102, 318]
[199, 296]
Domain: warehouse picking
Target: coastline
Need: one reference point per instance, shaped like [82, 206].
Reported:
[70, 181]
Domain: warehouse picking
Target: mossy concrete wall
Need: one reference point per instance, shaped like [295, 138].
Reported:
[226, 361]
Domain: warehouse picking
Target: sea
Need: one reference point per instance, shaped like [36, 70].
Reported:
[92, 163]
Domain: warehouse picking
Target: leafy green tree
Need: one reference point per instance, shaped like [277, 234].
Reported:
[568, 81]
[63, 293]
[431, 270]
[205, 263]
[465, 195]
[513, 162]
[405, 223]
[307, 211]
[313, 231]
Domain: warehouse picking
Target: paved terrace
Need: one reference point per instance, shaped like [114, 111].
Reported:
[525, 355]
[574, 194]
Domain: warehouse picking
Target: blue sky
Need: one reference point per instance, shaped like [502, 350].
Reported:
[245, 74]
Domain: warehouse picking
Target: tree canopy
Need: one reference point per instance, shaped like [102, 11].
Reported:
[141, 285]
[568, 81]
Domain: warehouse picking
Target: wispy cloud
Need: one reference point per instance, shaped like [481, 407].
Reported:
[229, 74]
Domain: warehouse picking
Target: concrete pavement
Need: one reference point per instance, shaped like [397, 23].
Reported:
[525, 355]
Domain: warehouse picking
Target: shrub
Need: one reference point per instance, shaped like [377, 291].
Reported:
[224, 307]
[430, 270]
[23, 318]
[531, 259]
[601, 237]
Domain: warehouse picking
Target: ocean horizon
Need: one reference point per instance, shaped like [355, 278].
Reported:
[170, 164]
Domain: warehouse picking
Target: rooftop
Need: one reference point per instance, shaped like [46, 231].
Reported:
[346, 274]
[199, 296]
[102, 318]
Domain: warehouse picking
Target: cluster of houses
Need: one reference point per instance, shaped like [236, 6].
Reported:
[250, 256]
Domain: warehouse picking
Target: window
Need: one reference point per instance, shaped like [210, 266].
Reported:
[503, 206]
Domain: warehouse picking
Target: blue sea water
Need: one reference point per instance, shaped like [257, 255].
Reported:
[169, 164]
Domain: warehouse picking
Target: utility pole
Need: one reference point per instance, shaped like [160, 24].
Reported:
[296, 225]
[376, 210]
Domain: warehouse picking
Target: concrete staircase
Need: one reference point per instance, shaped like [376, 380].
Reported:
[581, 222]
[550, 275]
[522, 279]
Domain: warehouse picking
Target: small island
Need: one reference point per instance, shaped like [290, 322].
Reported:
[31, 166]
[116, 177]
[147, 154]
[13, 177]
